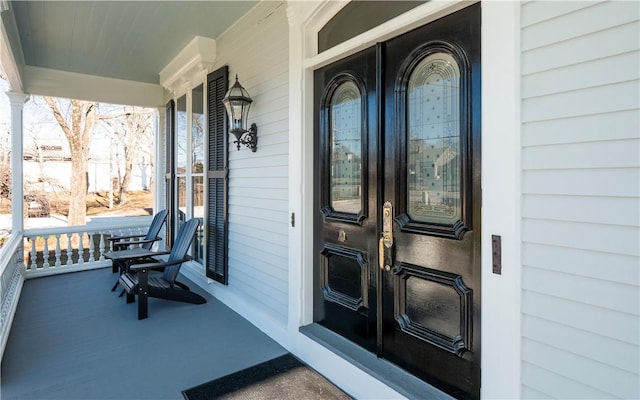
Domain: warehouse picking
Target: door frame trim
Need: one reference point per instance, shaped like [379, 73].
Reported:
[501, 180]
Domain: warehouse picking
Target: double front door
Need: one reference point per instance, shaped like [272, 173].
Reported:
[397, 239]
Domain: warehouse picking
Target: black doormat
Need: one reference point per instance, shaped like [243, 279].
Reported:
[282, 378]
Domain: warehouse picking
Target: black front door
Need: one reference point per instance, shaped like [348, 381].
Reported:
[346, 203]
[431, 291]
[398, 188]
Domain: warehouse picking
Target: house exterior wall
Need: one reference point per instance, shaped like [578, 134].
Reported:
[256, 49]
[580, 199]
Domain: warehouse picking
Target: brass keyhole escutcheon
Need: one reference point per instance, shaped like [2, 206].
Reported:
[387, 224]
[342, 236]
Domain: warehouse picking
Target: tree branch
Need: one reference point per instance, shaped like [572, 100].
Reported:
[59, 117]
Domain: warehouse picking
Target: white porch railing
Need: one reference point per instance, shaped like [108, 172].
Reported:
[49, 251]
[74, 248]
[11, 279]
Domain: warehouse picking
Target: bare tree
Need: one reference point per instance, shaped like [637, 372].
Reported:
[5, 181]
[35, 153]
[5, 168]
[76, 119]
[132, 131]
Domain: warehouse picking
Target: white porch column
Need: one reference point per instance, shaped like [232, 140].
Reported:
[17, 101]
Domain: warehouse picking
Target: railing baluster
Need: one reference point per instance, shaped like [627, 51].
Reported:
[121, 232]
[92, 255]
[34, 254]
[102, 246]
[139, 232]
[45, 253]
[69, 250]
[58, 252]
[80, 248]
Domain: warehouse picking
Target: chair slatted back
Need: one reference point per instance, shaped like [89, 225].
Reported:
[180, 247]
[155, 227]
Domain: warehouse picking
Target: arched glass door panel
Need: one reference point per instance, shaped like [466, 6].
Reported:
[436, 126]
[433, 122]
[346, 130]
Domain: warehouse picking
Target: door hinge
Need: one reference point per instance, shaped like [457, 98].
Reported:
[293, 219]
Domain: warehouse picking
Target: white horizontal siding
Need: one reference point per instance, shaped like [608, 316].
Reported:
[265, 183]
[609, 154]
[535, 12]
[530, 393]
[581, 199]
[609, 351]
[582, 209]
[259, 223]
[620, 182]
[594, 100]
[613, 69]
[601, 321]
[598, 45]
[585, 262]
[253, 194]
[604, 238]
[256, 49]
[617, 125]
[270, 246]
[583, 21]
[559, 387]
[587, 372]
[595, 292]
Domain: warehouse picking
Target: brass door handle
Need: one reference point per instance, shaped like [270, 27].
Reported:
[381, 255]
[386, 240]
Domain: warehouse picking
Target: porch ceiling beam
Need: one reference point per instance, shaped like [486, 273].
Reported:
[50, 82]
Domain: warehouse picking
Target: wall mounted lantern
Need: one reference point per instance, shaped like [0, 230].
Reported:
[237, 102]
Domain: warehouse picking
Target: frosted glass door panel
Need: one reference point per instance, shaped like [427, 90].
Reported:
[433, 153]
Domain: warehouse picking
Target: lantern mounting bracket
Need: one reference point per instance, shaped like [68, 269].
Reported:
[248, 138]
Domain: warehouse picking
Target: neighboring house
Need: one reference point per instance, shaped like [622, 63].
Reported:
[52, 175]
[492, 247]
[46, 152]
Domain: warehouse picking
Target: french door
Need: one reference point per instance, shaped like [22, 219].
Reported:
[398, 199]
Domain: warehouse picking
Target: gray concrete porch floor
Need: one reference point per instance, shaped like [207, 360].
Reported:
[72, 338]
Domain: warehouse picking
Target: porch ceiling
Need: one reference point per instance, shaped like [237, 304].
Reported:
[130, 40]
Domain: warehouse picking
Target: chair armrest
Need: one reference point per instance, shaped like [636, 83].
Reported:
[127, 243]
[114, 238]
[154, 254]
[123, 255]
[158, 265]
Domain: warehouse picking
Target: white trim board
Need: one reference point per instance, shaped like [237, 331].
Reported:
[72, 85]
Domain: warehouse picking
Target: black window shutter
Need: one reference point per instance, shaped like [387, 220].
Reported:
[169, 170]
[217, 85]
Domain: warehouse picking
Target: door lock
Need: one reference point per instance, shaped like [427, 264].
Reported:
[385, 245]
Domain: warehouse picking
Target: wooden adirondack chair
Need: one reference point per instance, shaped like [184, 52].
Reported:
[145, 241]
[140, 282]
